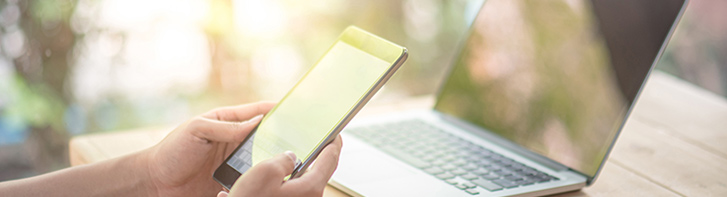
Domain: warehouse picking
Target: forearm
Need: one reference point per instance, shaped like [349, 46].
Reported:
[124, 176]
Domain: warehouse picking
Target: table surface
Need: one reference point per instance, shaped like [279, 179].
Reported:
[674, 143]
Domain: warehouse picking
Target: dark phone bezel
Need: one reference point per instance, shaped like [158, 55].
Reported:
[225, 174]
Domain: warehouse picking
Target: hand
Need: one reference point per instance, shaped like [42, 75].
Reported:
[183, 163]
[266, 178]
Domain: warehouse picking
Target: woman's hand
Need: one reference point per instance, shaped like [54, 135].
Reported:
[183, 163]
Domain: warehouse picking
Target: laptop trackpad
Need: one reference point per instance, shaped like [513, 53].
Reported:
[357, 166]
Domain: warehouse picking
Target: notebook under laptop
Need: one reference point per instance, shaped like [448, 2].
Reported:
[532, 106]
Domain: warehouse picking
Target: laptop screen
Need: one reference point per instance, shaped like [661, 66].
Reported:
[557, 77]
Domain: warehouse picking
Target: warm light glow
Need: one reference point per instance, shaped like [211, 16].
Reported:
[146, 49]
[261, 19]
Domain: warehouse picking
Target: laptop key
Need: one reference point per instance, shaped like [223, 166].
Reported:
[494, 167]
[502, 172]
[517, 167]
[528, 171]
[542, 177]
[469, 184]
[473, 158]
[513, 177]
[485, 153]
[506, 162]
[445, 175]
[484, 163]
[461, 186]
[452, 181]
[488, 185]
[496, 157]
[465, 185]
[491, 176]
[525, 182]
[419, 154]
[428, 149]
[459, 162]
[434, 170]
[448, 166]
[505, 183]
[429, 158]
[416, 162]
[455, 181]
[481, 171]
[439, 162]
[470, 166]
[472, 191]
[458, 171]
[449, 158]
[469, 176]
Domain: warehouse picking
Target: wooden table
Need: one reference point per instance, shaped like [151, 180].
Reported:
[674, 144]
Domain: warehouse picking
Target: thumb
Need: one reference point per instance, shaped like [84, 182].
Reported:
[264, 176]
[279, 166]
[222, 131]
[222, 194]
[272, 170]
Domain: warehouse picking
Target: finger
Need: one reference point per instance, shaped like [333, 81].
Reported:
[222, 194]
[273, 170]
[240, 112]
[281, 165]
[325, 164]
[222, 131]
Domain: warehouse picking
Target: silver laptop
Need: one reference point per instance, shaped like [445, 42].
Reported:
[532, 105]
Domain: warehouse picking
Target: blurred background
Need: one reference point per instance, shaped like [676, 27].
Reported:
[73, 67]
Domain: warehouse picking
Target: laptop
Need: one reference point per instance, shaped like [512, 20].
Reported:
[533, 103]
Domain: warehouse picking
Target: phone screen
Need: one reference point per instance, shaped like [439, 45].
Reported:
[315, 106]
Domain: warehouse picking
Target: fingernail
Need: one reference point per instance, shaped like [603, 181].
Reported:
[291, 155]
[222, 194]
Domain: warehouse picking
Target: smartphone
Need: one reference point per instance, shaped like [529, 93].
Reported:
[319, 106]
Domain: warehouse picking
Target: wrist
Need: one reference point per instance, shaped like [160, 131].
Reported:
[141, 162]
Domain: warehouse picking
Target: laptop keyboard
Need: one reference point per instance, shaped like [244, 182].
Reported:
[452, 159]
